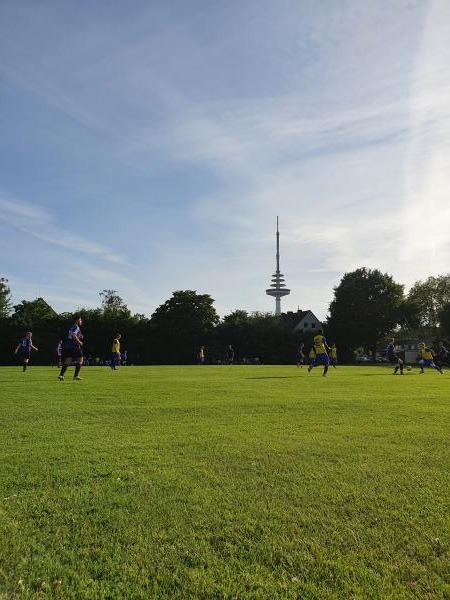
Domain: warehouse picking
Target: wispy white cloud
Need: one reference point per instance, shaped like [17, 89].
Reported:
[39, 223]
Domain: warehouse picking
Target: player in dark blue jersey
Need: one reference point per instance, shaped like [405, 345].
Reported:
[25, 347]
[72, 349]
[300, 354]
[393, 358]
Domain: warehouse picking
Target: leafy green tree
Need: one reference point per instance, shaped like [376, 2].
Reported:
[444, 319]
[367, 305]
[256, 335]
[181, 325]
[32, 313]
[429, 298]
[113, 305]
[5, 298]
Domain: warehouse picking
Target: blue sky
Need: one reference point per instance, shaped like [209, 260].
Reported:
[149, 146]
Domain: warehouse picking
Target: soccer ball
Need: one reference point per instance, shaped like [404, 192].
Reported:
[408, 368]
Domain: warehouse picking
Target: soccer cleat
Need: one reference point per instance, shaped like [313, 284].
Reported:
[77, 378]
[61, 377]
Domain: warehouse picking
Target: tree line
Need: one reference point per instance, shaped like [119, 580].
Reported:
[368, 306]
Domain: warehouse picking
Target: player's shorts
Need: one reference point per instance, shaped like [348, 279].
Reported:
[426, 363]
[322, 359]
[333, 361]
[115, 355]
[25, 353]
[393, 359]
[72, 353]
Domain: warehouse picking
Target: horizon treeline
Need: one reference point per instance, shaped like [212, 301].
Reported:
[368, 307]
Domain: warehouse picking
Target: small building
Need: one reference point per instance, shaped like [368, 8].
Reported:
[407, 348]
[302, 321]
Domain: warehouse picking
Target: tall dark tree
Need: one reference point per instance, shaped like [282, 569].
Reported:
[181, 324]
[367, 305]
[5, 298]
[444, 319]
[430, 297]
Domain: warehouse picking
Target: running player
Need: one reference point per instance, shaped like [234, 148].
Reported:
[427, 359]
[73, 349]
[115, 353]
[393, 358]
[321, 349]
[441, 357]
[333, 356]
[26, 346]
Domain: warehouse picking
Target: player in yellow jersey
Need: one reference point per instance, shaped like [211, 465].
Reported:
[321, 349]
[115, 352]
[426, 356]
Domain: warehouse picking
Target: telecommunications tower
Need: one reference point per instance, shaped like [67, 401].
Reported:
[278, 288]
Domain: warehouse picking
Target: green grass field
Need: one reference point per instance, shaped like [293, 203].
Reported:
[224, 482]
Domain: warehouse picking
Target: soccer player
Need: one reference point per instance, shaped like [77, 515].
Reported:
[427, 359]
[300, 355]
[230, 354]
[201, 355]
[442, 355]
[26, 346]
[393, 358]
[333, 356]
[321, 349]
[124, 358]
[58, 353]
[115, 352]
[312, 358]
[73, 349]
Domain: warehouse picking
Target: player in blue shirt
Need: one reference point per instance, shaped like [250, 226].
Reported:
[72, 349]
[25, 346]
[393, 358]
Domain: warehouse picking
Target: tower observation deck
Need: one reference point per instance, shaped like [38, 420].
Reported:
[278, 288]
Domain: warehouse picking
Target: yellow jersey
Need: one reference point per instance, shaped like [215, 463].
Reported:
[312, 354]
[116, 346]
[426, 353]
[319, 344]
[333, 352]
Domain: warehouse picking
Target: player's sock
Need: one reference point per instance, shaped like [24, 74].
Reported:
[325, 370]
[396, 370]
[24, 367]
[63, 370]
[77, 369]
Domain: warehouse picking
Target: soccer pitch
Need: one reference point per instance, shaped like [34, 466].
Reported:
[224, 482]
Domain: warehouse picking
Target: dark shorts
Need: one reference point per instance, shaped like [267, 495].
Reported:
[322, 359]
[393, 359]
[25, 354]
[72, 353]
[427, 362]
